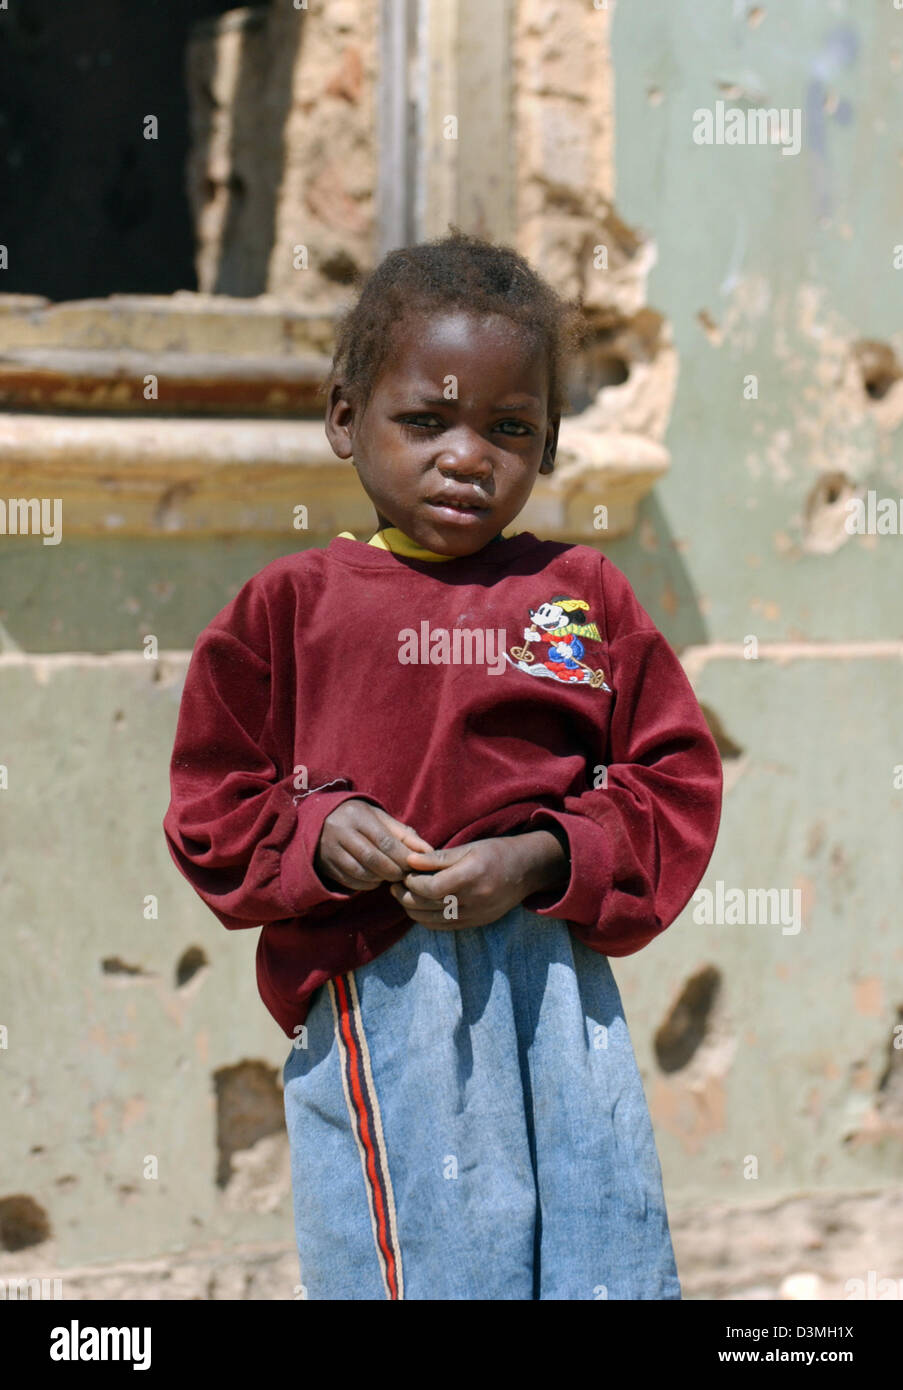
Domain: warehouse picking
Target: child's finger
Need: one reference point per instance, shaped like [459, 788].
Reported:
[422, 888]
[384, 833]
[432, 887]
[408, 898]
[436, 859]
[382, 860]
[406, 834]
[423, 910]
[348, 871]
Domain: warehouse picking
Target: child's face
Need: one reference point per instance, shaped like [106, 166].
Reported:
[458, 415]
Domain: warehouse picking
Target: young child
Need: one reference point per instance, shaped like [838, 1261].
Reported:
[451, 770]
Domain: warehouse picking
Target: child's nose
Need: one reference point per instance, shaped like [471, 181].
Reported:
[467, 455]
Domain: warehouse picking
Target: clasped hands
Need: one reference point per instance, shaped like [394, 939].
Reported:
[361, 846]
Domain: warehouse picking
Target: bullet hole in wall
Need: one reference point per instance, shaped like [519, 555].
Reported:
[878, 367]
[189, 963]
[710, 327]
[23, 1222]
[827, 491]
[114, 965]
[890, 1084]
[679, 1036]
[610, 349]
[591, 370]
[825, 512]
[249, 1106]
[340, 267]
[168, 517]
[883, 1119]
[723, 741]
[612, 345]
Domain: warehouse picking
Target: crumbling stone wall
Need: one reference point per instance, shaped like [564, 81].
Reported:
[282, 165]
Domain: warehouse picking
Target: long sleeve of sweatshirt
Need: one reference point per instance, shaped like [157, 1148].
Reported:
[641, 835]
[242, 827]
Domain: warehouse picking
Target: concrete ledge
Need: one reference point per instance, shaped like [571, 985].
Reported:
[142, 476]
[122, 379]
[696, 658]
[181, 322]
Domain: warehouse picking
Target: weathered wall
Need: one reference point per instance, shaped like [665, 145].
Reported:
[774, 269]
[134, 1036]
[126, 1009]
[282, 165]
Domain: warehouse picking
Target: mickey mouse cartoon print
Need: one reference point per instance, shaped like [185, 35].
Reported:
[557, 625]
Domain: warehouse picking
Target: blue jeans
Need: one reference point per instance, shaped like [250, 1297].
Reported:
[467, 1120]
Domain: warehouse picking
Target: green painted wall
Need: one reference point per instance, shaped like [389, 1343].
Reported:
[792, 257]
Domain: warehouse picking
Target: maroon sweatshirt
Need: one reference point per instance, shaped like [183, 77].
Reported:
[519, 688]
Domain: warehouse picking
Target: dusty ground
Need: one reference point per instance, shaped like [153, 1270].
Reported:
[811, 1247]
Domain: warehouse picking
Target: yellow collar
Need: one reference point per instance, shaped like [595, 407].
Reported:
[391, 538]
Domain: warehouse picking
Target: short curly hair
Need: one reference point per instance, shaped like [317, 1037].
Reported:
[457, 271]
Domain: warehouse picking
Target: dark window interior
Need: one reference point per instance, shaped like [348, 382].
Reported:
[88, 206]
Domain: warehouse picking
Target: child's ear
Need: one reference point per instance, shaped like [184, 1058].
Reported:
[339, 421]
[548, 457]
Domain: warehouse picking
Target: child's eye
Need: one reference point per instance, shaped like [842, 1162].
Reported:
[421, 422]
[418, 424]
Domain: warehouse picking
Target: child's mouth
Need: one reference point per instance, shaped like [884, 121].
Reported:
[457, 510]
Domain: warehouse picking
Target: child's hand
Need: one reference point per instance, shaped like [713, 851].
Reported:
[486, 878]
[361, 846]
